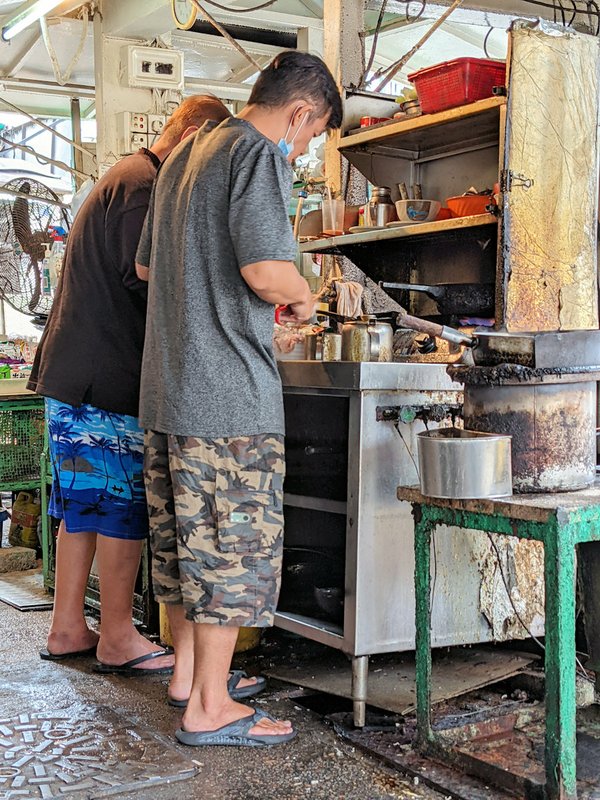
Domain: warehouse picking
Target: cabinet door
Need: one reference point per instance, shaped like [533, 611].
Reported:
[547, 257]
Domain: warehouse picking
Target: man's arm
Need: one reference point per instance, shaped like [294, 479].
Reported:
[280, 283]
[141, 271]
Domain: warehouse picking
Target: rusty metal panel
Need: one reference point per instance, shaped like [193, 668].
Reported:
[550, 181]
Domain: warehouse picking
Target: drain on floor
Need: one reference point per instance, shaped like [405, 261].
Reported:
[87, 753]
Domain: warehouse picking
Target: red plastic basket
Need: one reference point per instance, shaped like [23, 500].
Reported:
[456, 83]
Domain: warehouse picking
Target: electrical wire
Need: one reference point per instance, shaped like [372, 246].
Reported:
[540, 644]
[411, 20]
[485, 41]
[374, 43]
[237, 9]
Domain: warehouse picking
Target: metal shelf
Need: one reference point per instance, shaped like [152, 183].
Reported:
[336, 244]
[315, 503]
[429, 134]
[315, 629]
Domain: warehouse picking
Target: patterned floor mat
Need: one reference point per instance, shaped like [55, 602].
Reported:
[87, 753]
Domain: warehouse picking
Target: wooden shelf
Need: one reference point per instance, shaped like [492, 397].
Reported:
[336, 244]
[431, 133]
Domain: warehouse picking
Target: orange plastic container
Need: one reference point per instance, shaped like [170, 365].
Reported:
[468, 205]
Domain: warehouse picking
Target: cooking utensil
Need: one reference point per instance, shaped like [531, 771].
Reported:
[464, 464]
[367, 339]
[453, 298]
[541, 351]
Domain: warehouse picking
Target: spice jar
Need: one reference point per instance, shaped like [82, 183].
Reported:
[332, 346]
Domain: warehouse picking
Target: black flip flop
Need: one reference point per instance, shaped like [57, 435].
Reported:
[129, 669]
[46, 655]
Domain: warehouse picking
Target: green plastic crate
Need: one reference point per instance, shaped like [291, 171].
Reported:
[21, 442]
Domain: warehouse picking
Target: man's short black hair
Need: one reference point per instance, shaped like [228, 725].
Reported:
[293, 75]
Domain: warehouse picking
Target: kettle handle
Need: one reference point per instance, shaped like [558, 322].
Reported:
[375, 344]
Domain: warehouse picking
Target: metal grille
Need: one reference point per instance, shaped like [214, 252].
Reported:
[21, 442]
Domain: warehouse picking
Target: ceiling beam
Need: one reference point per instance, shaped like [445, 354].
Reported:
[22, 52]
[222, 89]
[248, 70]
[47, 88]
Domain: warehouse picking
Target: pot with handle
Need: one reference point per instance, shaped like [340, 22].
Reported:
[367, 339]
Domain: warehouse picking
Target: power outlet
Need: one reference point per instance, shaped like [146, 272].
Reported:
[156, 124]
[138, 140]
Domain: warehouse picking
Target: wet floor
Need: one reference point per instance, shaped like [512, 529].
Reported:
[93, 736]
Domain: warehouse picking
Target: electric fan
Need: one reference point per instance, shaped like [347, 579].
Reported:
[31, 218]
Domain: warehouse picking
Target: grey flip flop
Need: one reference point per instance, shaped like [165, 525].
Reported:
[236, 734]
[235, 676]
[129, 668]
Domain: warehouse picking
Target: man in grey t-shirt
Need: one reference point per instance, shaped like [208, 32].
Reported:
[218, 250]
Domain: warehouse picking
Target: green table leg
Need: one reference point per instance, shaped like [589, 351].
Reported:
[560, 754]
[423, 625]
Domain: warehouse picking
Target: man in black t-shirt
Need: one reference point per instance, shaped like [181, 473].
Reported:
[88, 367]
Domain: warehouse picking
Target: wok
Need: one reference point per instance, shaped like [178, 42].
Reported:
[453, 298]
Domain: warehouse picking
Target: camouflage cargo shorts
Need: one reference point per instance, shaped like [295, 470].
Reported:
[216, 525]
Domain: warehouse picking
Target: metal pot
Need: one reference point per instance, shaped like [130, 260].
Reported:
[367, 339]
[453, 298]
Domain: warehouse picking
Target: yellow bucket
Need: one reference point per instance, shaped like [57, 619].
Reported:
[248, 638]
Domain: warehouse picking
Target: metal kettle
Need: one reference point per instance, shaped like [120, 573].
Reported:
[367, 339]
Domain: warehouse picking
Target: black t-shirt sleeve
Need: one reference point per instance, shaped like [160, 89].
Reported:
[122, 238]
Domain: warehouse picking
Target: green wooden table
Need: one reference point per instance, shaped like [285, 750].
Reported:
[560, 522]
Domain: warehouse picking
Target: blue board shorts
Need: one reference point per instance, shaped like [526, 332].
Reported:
[97, 463]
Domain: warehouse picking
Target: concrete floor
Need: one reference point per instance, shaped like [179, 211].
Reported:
[317, 765]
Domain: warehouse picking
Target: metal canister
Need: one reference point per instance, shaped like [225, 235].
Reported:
[311, 341]
[381, 209]
[332, 346]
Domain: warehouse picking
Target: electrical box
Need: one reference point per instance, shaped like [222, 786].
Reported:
[132, 131]
[156, 123]
[152, 67]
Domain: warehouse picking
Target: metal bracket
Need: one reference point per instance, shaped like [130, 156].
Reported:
[510, 179]
[436, 412]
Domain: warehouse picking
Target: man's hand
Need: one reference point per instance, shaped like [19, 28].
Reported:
[298, 312]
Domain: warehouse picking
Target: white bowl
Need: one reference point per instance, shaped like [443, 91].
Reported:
[417, 210]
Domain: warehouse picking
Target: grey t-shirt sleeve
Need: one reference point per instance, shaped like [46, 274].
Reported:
[259, 225]
[144, 247]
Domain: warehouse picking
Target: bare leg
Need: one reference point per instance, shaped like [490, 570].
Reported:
[118, 563]
[74, 555]
[210, 706]
[182, 631]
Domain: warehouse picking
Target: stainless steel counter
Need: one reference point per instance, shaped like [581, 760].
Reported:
[365, 375]
[345, 460]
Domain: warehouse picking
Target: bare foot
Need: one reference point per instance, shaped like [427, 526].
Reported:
[196, 719]
[71, 641]
[117, 650]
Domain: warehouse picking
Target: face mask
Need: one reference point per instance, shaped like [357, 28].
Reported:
[287, 148]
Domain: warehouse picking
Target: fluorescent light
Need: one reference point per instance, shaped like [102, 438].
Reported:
[26, 15]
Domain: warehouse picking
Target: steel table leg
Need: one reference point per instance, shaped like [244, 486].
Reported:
[423, 625]
[560, 753]
[360, 676]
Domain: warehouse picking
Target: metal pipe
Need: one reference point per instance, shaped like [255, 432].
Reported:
[360, 676]
[77, 148]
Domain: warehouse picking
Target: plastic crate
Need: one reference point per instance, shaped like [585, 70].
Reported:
[21, 442]
[457, 83]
